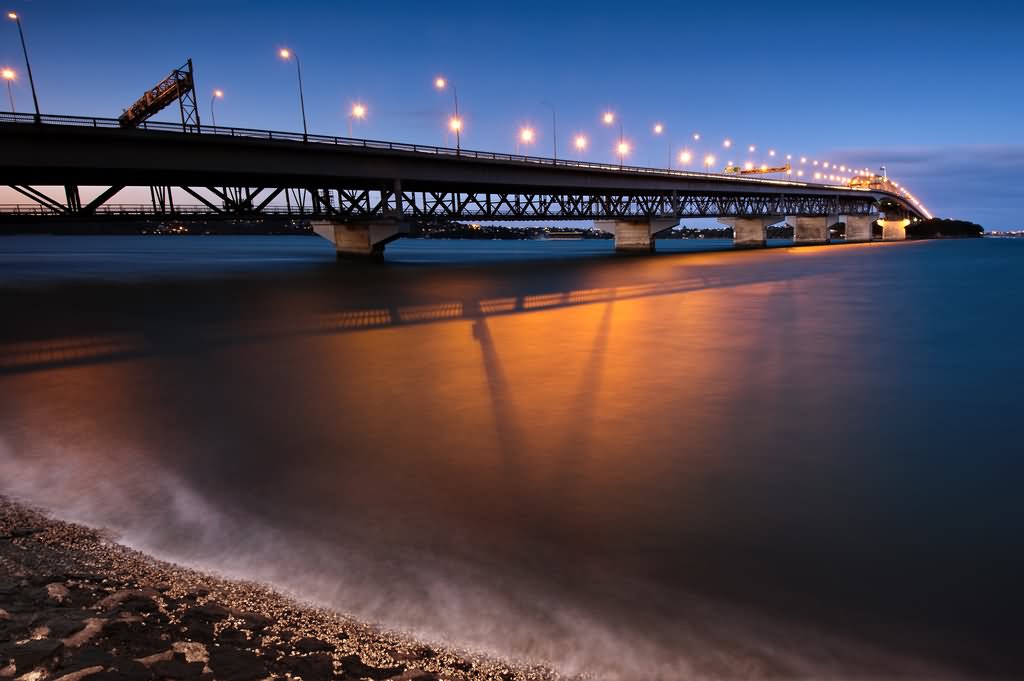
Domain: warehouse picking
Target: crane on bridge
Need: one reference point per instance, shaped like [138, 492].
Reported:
[178, 86]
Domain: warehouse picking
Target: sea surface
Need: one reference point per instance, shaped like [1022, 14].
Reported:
[794, 463]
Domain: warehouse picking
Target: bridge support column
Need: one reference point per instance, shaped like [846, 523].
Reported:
[750, 232]
[360, 239]
[894, 230]
[636, 236]
[858, 227]
[811, 230]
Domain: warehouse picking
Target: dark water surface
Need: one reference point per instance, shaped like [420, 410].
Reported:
[794, 463]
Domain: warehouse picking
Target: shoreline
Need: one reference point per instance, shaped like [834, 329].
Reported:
[75, 605]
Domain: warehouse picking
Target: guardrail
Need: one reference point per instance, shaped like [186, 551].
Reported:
[273, 135]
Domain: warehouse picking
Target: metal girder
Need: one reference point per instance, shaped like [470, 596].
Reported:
[391, 201]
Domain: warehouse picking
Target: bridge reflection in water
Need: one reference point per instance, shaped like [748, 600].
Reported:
[683, 466]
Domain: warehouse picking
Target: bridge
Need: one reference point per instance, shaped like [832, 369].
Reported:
[361, 194]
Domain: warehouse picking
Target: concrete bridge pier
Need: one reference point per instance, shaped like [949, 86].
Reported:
[750, 232]
[360, 239]
[858, 227]
[894, 230]
[636, 235]
[812, 230]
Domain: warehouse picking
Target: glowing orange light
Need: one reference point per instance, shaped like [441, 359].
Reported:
[658, 128]
[623, 148]
[685, 157]
[526, 135]
[285, 54]
[218, 93]
[8, 74]
[709, 160]
[12, 15]
[440, 83]
[608, 118]
[358, 111]
[455, 124]
[581, 142]
[748, 165]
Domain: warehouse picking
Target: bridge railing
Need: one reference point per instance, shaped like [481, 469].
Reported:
[254, 133]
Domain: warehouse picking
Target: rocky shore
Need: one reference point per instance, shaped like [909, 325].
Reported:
[75, 605]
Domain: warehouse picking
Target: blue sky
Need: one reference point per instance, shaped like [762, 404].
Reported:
[931, 91]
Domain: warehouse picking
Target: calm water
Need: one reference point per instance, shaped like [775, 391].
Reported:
[794, 463]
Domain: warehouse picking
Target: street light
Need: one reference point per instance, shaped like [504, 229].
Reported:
[217, 94]
[455, 123]
[526, 136]
[28, 67]
[609, 118]
[623, 150]
[358, 113]
[685, 157]
[287, 54]
[8, 75]
[658, 129]
[727, 143]
[709, 160]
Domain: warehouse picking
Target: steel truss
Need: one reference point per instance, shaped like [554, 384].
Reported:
[393, 202]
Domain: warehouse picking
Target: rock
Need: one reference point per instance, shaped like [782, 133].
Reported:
[19, 532]
[57, 592]
[252, 620]
[310, 667]
[63, 627]
[88, 657]
[308, 644]
[4, 615]
[80, 674]
[31, 654]
[193, 652]
[199, 631]
[177, 669]
[209, 612]
[130, 670]
[132, 600]
[93, 626]
[416, 675]
[354, 666]
[232, 636]
[238, 665]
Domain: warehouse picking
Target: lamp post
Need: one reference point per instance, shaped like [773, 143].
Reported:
[608, 119]
[526, 136]
[708, 161]
[28, 67]
[581, 144]
[358, 113]
[8, 75]
[554, 131]
[217, 94]
[455, 123]
[658, 129]
[287, 54]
